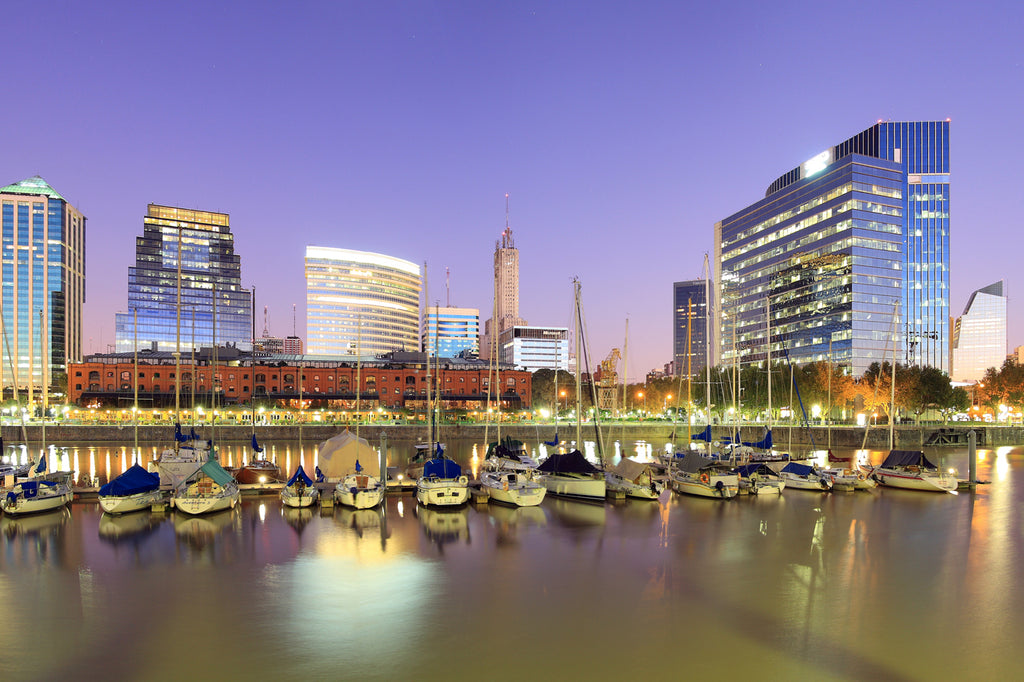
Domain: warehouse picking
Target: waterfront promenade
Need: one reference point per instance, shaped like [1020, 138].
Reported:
[907, 436]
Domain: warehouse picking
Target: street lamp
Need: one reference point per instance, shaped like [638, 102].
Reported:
[639, 395]
[664, 407]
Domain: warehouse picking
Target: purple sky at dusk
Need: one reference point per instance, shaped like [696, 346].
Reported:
[622, 132]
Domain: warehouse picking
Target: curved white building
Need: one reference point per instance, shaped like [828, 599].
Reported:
[358, 298]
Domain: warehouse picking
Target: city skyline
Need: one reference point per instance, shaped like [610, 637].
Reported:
[622, 134]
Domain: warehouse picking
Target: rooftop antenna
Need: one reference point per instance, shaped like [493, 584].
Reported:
[506, 236]
[266, 332]
[447, 288]
[293, 321]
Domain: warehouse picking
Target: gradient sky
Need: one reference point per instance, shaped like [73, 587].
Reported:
[622, 131]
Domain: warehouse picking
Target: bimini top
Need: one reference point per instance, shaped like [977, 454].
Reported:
[570, 463]
[798, 469]
[299, 475]
[132, 482]
[441, 467]
[753, 468]
[905, 458]
[217, 473]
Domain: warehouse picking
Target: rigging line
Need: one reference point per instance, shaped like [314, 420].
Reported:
[593, 388]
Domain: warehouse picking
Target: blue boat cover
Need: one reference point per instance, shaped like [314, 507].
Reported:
[135, 480]
[554, 442]
[178, 435]
[255, 446]
[903, 458]
[763, 444]
[752, 468]
[300, 475]
[570, 463]
[41, 469]
[798, 469]
[442, 467]
[704, 435]
[358, 466]
[320, 475]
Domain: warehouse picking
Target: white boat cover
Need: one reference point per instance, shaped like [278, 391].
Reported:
[337, 456]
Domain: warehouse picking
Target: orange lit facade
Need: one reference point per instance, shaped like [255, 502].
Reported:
[110, 381]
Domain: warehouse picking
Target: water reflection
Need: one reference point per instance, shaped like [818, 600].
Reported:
[199, 532]
[444, 527]
[130, 528]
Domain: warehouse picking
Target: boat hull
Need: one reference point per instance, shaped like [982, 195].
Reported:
[722, 487]
[205, 504]
[442, 492]
[35, 505]
[297, 500]
[359, 491]
[125, 504]
[513, 489]
[575, 486]
[927, 482]
[815, 483]
[637, 491]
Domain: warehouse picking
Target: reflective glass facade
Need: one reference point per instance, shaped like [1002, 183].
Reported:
[360, 300]
[213, 300]
[841, 248]
[451, 331]
[979, 335]
[42, 276]
[689, 312]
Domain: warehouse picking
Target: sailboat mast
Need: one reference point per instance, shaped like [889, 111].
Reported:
[579, 395]
[625, 366]
[135, 381]
[892, 388]
[359, 367]
[689, 367]
[768, 333]
[177, 341]
[707, 338]
[430, 411]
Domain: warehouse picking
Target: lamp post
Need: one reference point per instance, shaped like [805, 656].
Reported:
[639, 395]
[664, 407]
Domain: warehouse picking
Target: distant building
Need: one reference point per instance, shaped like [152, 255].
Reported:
[979, 334]
[451, 331]
[361, 302]
[841, 249]
[689, 327]
[533, 348]
[275, 345]
[215, 309]
[506, 291]
[43, 271]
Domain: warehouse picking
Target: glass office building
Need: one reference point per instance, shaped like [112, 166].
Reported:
[979, 335]
[357, 300]
[451, 331]
[847, 255]
[42, 276]
[214, 307]
[689, 327]
[533, 348]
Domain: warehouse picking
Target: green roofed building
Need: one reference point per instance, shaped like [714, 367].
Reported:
[43, 281]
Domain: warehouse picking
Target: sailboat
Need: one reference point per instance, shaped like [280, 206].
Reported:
[695, 474]
[299, 491]
[633, 479]
[442, 483]
[210, 489]
[259, 470]
[134, 490]
[41, 492]
[571, 475]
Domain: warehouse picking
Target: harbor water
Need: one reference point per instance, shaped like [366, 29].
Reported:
[882, 585]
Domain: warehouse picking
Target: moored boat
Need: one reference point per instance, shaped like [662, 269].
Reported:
[360, 489]
[442, 483]
[512, 488]
[805, 477]
[180, 463]
[571, 475]
[211, 489]
[911, 470]
[299, 491]
[509, 454]
[757, 479]
[134, 490]
[40, 493]
[633, 479]
[259, 470]
[697, 475]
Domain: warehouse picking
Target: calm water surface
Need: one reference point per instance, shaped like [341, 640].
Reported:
[889, 585]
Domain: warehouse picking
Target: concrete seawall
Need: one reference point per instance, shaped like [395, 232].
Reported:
[907, 437]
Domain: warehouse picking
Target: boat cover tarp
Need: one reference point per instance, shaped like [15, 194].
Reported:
[506, 447]
[904, 458]
[215, 471]
[337, 456]
[798, 469]
[570, 463]
[763, 444]
[132, 482]
[630, 469]
[704, 435]
[692, 462]
[753, 468]
[442, 467]
[299, 475]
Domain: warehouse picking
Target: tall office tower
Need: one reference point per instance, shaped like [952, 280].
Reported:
[506, 289]
[451, 331]
[360, 302]
[689, 319]
[196, 250]
[847, 255]
[979, 335]
[43, 282]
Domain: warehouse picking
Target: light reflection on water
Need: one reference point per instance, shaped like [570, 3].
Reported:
[889, 585]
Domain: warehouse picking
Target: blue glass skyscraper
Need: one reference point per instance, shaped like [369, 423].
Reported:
[214, 306]
[847, 254]
[43, 281]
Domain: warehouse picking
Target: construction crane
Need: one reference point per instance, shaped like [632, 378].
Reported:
[608, 381]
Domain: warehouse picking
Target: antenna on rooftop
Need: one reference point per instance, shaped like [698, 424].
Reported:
[447, 287]
[293, 320]
[266, 332]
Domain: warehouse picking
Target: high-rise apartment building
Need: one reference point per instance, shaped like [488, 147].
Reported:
[451, 331]
[533, 348]
[979, 335]
[360, 302]
[185, 290]
[42, 274]
[690, 342]
[847, 255]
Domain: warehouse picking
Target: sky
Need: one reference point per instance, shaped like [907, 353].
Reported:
[621, 131]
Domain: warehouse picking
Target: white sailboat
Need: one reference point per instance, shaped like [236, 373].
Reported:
[805, 477]
[512, 488]
[211, 489]
[134, 490]
[44, 491]
[571, 475]
[911, 470]
[299, 491]
[697, 475]
[633, 479]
